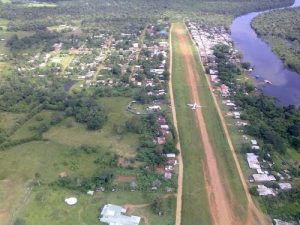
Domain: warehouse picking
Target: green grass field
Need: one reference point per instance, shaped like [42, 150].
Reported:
[20, 198]
[77, 134]
[29, 128]
[194, 202]
[8, 120]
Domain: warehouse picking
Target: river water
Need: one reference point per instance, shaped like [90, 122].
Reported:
[267, 66]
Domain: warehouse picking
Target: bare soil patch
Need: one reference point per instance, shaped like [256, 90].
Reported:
[125, 179]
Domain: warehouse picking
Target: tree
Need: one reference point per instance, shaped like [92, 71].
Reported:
[246, 65]
[19, 221]
[37, 177]
[157, 206]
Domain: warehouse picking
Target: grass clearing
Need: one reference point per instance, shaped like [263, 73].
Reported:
[41, 204]
[74, 134]
[46, 204]
[30, 127]
[18, 166]
[194, 192]
[8, 119]
[51, 207]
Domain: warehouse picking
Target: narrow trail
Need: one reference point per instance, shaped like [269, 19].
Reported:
[178, 146]
[254, 215]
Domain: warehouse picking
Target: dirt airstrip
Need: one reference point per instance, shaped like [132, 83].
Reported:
[221, 208]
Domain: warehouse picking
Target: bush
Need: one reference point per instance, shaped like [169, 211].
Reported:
[253, 191]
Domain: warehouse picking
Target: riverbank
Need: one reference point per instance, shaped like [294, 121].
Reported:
[267, 65]
[280, 29]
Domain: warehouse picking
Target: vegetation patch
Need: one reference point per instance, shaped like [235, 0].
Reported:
[281, 29]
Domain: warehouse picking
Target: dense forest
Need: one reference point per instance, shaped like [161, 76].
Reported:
[89, 10]
[281, 30]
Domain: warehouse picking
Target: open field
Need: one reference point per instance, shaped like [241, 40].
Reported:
[194, 195]
[39, 204]
[29, 129]
[8, 120]
[74, 134]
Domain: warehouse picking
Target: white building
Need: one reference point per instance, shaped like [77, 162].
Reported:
[114, 215]
[264, 191]
[263, 177]
[285, 186]
[252, 160]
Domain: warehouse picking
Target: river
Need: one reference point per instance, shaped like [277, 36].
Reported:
[267, 66]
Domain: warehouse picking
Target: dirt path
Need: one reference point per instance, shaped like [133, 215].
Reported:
[180, 162]
[254, 215]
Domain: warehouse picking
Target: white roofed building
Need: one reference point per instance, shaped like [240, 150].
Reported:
[263, 177]
[114, 215]
[264, 191]
[253, 161]
[285, 186]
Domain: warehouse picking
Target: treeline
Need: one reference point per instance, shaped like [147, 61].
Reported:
[281, 29]
[140, 8]
[48, 38]
[277, 126]
[21, 95]
[148, 151]
[285, 205]
[30, 25]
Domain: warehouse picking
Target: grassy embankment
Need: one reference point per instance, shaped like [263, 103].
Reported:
[225, 160]
[41, 204]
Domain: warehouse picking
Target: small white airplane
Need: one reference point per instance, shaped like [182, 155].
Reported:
[195, 106]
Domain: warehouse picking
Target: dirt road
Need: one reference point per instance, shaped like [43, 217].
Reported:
[180, 161]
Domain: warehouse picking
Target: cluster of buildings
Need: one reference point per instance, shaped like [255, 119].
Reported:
[152, 79]
[95, 64]
[161, 139]
[206, 37]
[263, 175]
[267, 181]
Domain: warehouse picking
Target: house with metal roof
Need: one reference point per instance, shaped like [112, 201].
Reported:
[115, 215]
